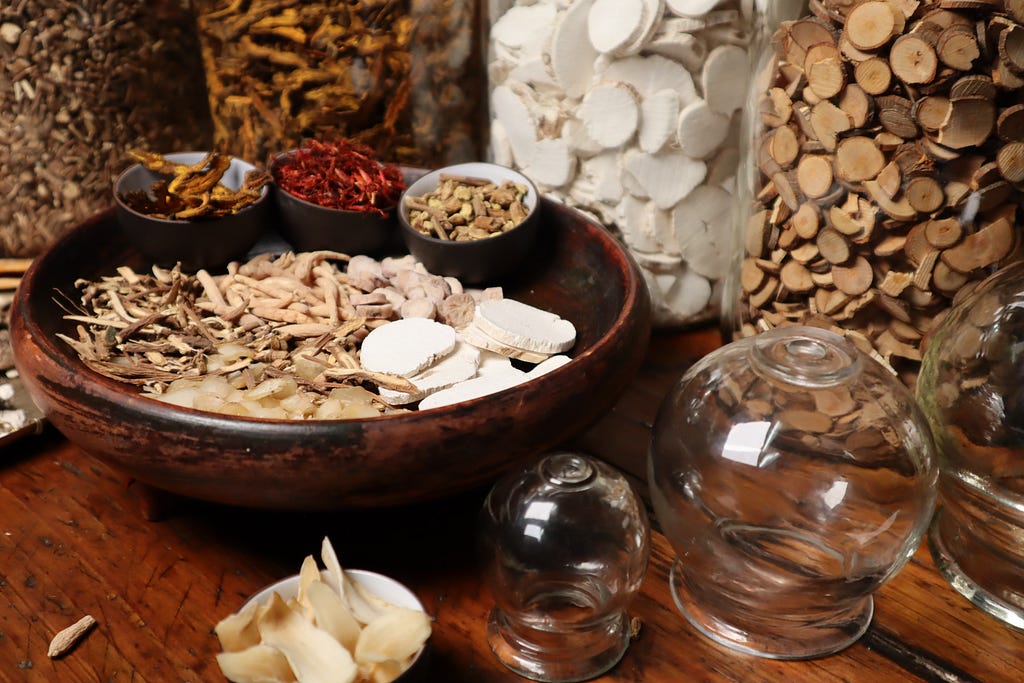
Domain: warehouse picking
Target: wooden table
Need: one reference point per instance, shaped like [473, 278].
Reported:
[73, 541]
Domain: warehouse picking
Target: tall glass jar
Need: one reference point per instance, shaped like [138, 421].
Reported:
[882, 170]
[403, 77]
[629, 110]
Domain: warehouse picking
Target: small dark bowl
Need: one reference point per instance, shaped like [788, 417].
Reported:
[480, 261]
[200, 243]
[310, 227]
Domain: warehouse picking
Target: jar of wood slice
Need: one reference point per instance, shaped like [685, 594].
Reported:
[629, 110]
[887, 159]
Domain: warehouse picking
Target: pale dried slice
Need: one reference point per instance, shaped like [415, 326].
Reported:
[666, 177]
[982, 249]
[396, 635]
[724, 78]
[691, 8]
[257, 664]
[572, 59]
[833, 246]
[475, 336]
[855, 279]
[611, 113]
[313, 655]
[823, 66]
[659, 116]
[701, 130]
[237, 632]
[332, 614]
[548, 365]
[517, 121]
[405, 347]
[553, 163]
[458, 366]
[477, 387]
[523, 326]
[613, 24]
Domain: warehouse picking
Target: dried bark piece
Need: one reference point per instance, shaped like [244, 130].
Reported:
[1011, 48]
[806, 221]
[855, 279]
[947, 280]
[943, 233]
[814, 176]
[784, 146]
[895, 113]
[925, 194]
[913, 59]
[823, 67]
[968, 124]
[776, 108]
[795, 277]
[900, 209]
[957, 47]
[752, 277]
[1010, 159]
[890, 179]
[874, 75]
[858, 158]
[870, 25]
[827, 122]
[833, 246]
[931, 112]
[66, 639]
[984, 248]
[1010, 123]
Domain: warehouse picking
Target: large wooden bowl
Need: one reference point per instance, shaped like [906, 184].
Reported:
[578, 270]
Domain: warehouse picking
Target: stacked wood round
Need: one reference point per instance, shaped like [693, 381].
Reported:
[890, 151]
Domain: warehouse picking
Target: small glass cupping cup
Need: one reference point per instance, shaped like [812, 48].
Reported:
[793, 475]
[971, 390]
[564, 544]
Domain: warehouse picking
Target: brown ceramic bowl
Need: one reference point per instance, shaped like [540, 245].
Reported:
[199, 243]
[476, 262]
[310, 227]
[582, 273]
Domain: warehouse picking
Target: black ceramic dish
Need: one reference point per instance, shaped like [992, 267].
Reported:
[310, 227]
[476, 262]
[200, 243]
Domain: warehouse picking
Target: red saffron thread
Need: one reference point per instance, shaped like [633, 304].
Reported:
[340, 175]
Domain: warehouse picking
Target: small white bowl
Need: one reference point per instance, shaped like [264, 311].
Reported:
[384, 587]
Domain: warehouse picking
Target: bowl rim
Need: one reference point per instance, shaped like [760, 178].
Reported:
[532, 200]
[388, 213]
[246, 166]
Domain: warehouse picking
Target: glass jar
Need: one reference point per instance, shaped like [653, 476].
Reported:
[404, 77]
[564, 545]
[971, 391]
[629, 110]
[881, 172]
[793, 475]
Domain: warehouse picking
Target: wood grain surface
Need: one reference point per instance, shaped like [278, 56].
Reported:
[74, 541]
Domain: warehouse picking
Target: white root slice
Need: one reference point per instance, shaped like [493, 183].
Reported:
[667, 176]
[632, 218]
[396, 635]
[524, 28]
[405, 347]
[472, 334]
[546, 366]
[689, 294]
[613, 24]
[604, 172]
[457, 366]
[554, 164]
[650, 74]
[664, 231]
[701, 130]
[690, 8]
[518, 122]
[611, 113]
[484, 385]
[524, 326]
[705, 211]
[654, 10]
[679, 46]
[493, 363]
[659, 115]
[572, 56]
[724, 78]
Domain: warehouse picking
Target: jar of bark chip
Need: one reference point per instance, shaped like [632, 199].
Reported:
[629, 110]
[970, 390]
[882, 170]
[403, 77]
[793, 476]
